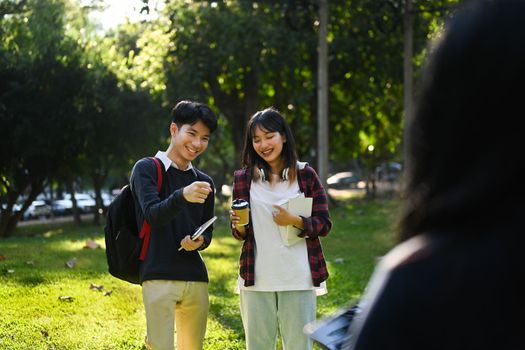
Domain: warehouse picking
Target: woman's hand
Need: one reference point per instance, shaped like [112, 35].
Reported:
[239, 232]
[283, 217]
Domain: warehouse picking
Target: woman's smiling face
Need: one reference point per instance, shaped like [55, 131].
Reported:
[269, 146]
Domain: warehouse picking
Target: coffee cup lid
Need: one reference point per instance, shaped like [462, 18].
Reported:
[239, 204]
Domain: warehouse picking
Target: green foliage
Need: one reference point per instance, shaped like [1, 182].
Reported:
[77, 105]
[64, 115]
[34, 277]
[366, 74]
[41, 77]
[246, 56]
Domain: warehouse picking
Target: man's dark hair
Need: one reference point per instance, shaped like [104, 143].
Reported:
[189, 112]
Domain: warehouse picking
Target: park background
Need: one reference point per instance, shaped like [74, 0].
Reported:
[81, 102]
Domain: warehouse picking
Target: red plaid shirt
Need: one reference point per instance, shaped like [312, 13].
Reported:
[319, 224]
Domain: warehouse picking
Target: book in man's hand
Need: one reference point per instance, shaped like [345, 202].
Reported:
[299, 206]
[200, 230]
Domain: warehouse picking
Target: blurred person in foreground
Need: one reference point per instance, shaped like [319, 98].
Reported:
[456, 280]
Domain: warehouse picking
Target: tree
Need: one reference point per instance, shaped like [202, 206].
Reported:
[40, 77]
[241, 57]
[366, 76]
[120, 119]
[64, 115]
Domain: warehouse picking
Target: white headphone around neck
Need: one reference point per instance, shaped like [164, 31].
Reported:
[284, 174]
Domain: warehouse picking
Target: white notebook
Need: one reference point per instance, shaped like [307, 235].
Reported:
[299, 206]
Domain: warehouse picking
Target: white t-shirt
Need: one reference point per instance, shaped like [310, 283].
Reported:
[277, 267]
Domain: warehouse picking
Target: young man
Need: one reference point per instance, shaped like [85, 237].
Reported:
[173, 275]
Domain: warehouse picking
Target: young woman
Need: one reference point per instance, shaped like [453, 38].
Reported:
[278, 283]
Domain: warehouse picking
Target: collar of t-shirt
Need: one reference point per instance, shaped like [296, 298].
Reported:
[163, 156]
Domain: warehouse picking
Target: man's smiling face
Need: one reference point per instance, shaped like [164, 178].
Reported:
[188, 142]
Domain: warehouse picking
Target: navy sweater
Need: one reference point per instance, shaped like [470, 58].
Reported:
[171, 218]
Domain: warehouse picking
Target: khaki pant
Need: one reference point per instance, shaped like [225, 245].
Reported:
[181, 303]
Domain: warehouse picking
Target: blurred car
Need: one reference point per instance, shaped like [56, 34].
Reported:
[85, 203]
[345, 180]
[38, 209]
[61, 207]
[390, 171]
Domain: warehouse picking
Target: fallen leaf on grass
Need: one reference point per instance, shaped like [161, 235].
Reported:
[108, 293]
[65, 298]
[95, 286]
[91, 244]
[2, 257]
[71, 263]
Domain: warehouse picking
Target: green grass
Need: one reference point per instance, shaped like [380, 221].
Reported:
[34, 276]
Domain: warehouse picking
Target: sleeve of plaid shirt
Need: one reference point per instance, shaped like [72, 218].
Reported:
[319, 224]
[241, 190]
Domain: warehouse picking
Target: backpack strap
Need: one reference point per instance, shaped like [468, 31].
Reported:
[145, 231]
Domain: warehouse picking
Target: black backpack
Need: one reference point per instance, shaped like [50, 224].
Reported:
[125, 245]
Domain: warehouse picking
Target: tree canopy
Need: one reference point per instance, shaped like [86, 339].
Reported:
[79, 106]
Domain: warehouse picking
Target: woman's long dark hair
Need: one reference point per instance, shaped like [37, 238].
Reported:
[465, 165]
[270, 120]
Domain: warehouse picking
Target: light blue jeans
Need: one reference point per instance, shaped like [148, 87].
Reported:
[264, 313]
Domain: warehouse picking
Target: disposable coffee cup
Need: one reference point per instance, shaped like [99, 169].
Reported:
[242, 210]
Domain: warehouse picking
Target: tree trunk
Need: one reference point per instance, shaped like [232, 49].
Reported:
[10, 219]
[371, 187]
[238, 111]
[8, 222]
[407, 74]
[238, 124]
[4, 220]
[322, 94]
[98, 180]
[76, 212]
[251, 92]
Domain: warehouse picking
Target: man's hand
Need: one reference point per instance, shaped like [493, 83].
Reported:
[197, 192]
[189, 245]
